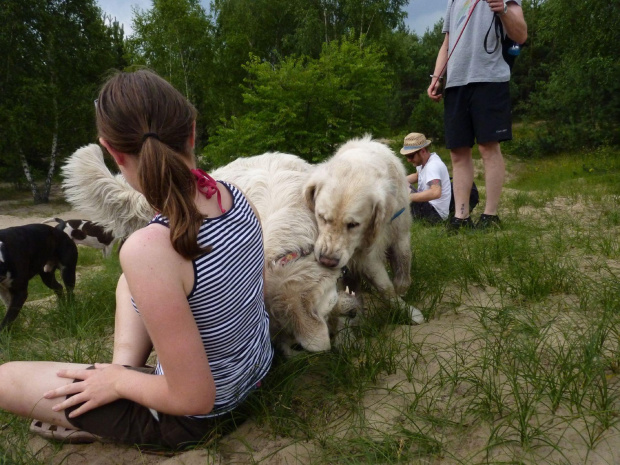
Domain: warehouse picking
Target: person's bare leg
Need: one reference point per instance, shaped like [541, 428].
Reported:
[132, 344]
[23, 384]
[494, 173]
[462, 180]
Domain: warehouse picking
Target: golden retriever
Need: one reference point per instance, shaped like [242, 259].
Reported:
[300, 294]
[360, 198]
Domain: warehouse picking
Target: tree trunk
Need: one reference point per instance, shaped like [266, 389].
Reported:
[53, 155]
[33, 187]
[325, 22]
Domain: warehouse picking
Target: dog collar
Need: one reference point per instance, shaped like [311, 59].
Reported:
[291, 256]
[397, 214]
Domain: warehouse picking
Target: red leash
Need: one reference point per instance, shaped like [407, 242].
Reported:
[459, 38]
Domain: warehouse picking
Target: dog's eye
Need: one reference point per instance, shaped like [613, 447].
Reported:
[352, 225]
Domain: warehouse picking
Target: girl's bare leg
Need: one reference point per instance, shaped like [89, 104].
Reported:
[23, 384]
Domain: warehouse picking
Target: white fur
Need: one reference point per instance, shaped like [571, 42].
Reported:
[295, 293]
[355, 196]
[105, 198]
[299, 295]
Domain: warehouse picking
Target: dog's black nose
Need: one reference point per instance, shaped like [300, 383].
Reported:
[328, 261]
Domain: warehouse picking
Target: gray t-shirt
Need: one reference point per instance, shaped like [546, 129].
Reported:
[470, 62]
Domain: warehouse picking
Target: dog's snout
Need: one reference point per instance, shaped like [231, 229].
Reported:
[328, 261]
[352, 313]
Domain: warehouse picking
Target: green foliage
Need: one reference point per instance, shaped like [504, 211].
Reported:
[580, 97]
[427, 118]
[273, 30]
[174, 38]
[54, 53]
[307, 106]
[413, 60]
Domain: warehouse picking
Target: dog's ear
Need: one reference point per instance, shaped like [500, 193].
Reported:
[311, 190]
[377, 221]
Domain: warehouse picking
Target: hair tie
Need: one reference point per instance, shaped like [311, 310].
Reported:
[150, 134]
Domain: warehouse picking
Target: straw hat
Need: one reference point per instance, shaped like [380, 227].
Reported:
[414, 142]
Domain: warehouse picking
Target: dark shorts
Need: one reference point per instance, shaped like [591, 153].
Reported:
[127, 422]
[425, 211]
[477, 113]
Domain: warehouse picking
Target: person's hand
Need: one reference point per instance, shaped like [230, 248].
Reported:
[497, 6]
[434, 90]
[96, 388]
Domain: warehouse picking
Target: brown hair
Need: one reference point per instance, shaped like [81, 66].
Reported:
[141, 114]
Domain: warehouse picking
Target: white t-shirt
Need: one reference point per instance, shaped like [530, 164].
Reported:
[435, 168]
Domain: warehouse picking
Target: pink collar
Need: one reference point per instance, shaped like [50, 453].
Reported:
[208, 186]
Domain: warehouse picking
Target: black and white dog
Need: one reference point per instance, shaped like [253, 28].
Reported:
[87, 233]
[26, 251]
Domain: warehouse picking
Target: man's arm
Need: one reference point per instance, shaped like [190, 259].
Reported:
[442, 58]
[412, 178]
[513, 20]
[433, 192]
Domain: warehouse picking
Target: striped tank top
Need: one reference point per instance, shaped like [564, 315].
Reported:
[227, 302]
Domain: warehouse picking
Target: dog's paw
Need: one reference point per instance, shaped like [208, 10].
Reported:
[401, 286]
[415, 315]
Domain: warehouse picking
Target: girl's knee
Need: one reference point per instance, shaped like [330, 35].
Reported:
[6, 371]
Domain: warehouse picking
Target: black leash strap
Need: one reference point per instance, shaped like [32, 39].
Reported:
[499, 32]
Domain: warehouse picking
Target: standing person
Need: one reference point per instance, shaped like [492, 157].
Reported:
[477, 97]
[192, 289]
[431, 200]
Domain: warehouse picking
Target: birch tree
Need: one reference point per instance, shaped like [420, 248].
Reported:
[57, 51]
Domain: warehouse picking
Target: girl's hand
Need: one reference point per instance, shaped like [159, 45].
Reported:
[96, 388]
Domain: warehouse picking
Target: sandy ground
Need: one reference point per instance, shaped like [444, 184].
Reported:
[20, 212]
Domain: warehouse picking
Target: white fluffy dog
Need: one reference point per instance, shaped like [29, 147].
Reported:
[300, 294]
[360, 198]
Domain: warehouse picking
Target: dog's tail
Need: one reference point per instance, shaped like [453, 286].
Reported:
[60, 223]
[105, 198]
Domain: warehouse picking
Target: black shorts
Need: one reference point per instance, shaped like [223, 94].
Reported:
[425, 211]
[477, 113]
[128, 422]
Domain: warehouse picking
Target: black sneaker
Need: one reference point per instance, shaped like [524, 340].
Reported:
[455, 224]
[488, 221]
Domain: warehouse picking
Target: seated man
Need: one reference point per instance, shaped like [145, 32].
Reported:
[431, 200]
